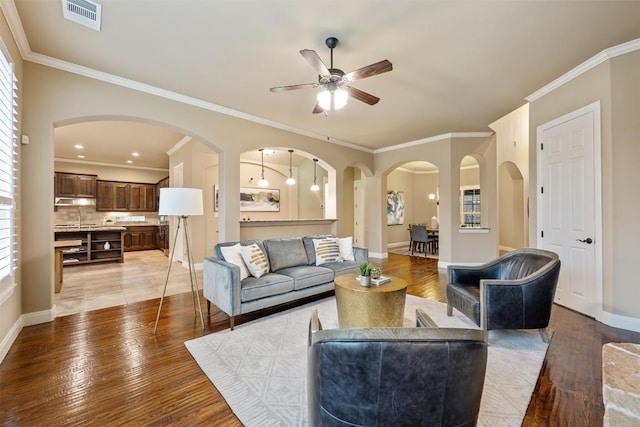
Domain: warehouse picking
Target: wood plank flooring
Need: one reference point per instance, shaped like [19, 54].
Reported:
[105, 367]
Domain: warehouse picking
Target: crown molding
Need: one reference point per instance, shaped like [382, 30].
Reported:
[111, 165]
[15, 25]
[587, 65]
[451, 135]
[178, 145]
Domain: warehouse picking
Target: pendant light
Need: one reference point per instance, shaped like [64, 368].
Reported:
[315, 186]
[263, 182]
[290, 180]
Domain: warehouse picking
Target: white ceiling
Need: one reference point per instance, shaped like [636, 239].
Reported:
[457, 65]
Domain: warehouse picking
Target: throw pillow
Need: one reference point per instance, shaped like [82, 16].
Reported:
[255, 259]
[327, 250]
[232, 254]
[346, 248]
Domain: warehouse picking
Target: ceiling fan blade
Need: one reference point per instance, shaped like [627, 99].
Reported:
[365, 97]
[293, 87]
[370, 70]
[312, 58]
[317, 109]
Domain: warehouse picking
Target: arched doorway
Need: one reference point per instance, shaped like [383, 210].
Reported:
[512, 217]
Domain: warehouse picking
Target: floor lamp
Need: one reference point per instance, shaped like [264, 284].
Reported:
[181, 203]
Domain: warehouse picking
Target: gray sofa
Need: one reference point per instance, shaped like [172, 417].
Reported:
[293, 275]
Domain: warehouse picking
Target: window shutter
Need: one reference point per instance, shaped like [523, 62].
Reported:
[8, 173]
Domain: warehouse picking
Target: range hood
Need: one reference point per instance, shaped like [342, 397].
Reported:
[74, 201]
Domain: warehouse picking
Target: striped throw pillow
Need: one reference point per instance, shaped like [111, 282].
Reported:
[327, 250]
[255, 259]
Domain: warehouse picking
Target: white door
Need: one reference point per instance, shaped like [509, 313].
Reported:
[358, 214]
[568, 205]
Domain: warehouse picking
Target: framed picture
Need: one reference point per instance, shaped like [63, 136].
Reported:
[395, 207]
[259, 199]
[216, 203]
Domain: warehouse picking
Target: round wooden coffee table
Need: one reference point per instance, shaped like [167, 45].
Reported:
[361, 307]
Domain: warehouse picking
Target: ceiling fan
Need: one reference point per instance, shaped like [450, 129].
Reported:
[337, 83]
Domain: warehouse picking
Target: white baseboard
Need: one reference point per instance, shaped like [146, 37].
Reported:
[10, 338]
[28, 319]
[398, 244]
[39, 317]
[378, 255]
[619, 321]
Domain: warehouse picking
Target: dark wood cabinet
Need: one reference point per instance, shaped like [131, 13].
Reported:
[112, 196]
[74, 185]
[142, 197]
[140, 238]
[125, 196]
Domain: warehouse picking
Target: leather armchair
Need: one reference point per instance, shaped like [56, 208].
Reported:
[419, 376]
[514, 291]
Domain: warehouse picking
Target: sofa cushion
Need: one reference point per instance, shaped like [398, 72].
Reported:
[285, 253]
[270, 284]
[308, 276]
[256, 260]
[232, 254]
[327, 250]
[310, 248]
[346, 248]
[344, 267]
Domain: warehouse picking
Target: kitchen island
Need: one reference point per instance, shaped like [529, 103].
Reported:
[97, 244]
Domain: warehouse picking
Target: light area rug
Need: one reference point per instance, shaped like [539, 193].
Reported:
[260, 367]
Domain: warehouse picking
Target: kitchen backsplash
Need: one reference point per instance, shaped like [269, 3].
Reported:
[88, 215]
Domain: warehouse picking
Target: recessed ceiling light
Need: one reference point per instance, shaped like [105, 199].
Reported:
[80, 156]
[78, 146]
[129, 161]
[135, 154]
[268, 151]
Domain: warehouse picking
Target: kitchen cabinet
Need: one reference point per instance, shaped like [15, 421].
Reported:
[112, 196]
[125, 196]
[74, 185]
[139, 238]
[142, 197]
[96, 246]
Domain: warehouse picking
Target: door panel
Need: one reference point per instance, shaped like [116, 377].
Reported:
[567, 205]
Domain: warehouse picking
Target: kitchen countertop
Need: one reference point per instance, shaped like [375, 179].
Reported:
[89, 228]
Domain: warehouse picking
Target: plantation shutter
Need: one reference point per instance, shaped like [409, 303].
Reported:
[8, 173]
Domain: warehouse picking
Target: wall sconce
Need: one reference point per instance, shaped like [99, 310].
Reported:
[315, 186]
[263, 182]
[290, 180]
[434, 198]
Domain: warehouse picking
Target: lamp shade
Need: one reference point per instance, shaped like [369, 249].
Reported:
[180, 201]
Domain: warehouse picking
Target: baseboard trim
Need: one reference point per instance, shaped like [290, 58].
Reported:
[619, 321]
[10, 338]
[38, 317]
[397, 244]
[378, 255]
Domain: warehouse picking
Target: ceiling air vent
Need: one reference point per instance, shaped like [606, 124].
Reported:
[83, 12]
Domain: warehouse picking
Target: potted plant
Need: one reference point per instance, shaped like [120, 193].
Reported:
[365, 273]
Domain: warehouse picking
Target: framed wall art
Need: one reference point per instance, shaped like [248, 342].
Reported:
[395, 207]
[259, 199]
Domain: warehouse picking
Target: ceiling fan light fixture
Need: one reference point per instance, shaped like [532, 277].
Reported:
[332, 100]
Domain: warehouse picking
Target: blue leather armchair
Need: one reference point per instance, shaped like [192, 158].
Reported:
[423, 376]
[514, 291]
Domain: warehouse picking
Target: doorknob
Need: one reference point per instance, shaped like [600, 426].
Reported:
[588, 240]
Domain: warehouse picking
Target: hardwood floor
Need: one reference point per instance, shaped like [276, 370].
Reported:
[105, 367]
